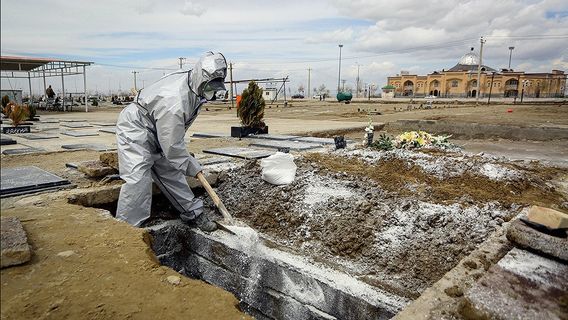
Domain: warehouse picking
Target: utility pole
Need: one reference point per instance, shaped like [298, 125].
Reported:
[491, 87]
[231, 82]
[309, 86]
[135, 72]
[181, 62]
[343, 82]
[477, 94]
[339, 72]
[357, 95]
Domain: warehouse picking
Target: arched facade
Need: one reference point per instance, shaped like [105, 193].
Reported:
[460, 81]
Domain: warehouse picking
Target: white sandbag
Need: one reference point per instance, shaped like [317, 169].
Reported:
[278, 169]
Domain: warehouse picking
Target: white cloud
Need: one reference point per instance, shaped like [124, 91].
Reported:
[191, 8]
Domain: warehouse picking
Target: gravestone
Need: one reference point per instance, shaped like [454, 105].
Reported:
[210, 135]
[292, 145]
[79, 133]
[22, 150]
[272, 136]
[31, 136]
[88, 146]
[108, 130]
[243, 153]
[23, 180]
[76, 125]
[315, 140]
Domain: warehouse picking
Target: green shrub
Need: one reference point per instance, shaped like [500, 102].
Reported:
[383, 143]
[32, 111]
[251, 107]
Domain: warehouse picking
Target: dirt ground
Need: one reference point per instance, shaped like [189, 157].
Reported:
[87, 265]
[111, 274]
[398, 220]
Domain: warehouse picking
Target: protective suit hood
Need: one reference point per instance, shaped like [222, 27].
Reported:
[210, 68]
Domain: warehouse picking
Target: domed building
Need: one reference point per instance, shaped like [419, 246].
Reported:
[460, 81]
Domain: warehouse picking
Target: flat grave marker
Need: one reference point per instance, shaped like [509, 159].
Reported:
[31, 136]
[22, 150]
[76, 125]
[108, 130]
[243, 153]
[272, 136]
[210, 135]
[79, 133]
[291, 145]
[29, 179]
[88, 146]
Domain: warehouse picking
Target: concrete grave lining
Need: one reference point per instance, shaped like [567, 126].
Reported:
[79, 133]
[27, 180]
[292, 145]
[270, 283]
[88, 146]
[243, 153]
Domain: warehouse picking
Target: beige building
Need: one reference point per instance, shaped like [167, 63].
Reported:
[460, 81]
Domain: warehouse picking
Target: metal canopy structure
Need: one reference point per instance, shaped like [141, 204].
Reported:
[28, 67]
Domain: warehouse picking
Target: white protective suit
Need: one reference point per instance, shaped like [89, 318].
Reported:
[150, 134]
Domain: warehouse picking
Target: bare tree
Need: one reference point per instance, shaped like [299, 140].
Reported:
[301, 89]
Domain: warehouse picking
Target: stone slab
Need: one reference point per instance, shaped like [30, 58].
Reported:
[76, 125]
[7, 141]
[109, 159]
[522, 285]
[14, 245]
[243, 153]
[22, 151]
[95, 169]
[292, 145]
[524, 236]
[27, 179]
[88, 146]
[32, 136]
[551, 218]
[108, 130]
[272, 136]
[210, 135]
[80, 133]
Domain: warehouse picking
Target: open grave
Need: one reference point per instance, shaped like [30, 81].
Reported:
[358, 234]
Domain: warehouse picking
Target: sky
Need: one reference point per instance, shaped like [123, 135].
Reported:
[265, 39]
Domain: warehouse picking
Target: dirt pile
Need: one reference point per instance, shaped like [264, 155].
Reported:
[383, 216]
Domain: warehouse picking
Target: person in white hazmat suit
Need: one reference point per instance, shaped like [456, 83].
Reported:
[151, 147]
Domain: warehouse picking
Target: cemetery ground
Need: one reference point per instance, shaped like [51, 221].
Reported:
[441, 215]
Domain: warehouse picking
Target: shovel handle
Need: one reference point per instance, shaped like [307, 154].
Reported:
[226, 215]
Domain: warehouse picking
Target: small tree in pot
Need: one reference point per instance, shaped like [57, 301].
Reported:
[17, 113]
[251, 112]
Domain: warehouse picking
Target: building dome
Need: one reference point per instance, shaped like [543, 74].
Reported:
[469, 59]
[469, 62]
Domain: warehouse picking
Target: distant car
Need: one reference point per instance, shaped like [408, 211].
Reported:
[298, 96]
[430, 97]
[317, 96]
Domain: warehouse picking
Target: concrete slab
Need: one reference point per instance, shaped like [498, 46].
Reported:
[210, 135]
[243, 153]
[32, 136]
[14, 245]
[26, 180]
[22, 151]
[88, 146]
[522, 285]
[79, 133]
[76, 125]
[292, 145]
[272, 136]
[104, 124]
[524, 236]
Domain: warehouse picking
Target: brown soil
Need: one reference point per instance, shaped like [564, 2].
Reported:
[87, 265]
[395, 174]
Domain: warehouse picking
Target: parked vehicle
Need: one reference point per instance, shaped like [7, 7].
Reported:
[298, 96]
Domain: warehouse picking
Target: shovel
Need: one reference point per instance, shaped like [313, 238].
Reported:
[227, 218]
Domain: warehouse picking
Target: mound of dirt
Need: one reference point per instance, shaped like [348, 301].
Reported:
[386, 216]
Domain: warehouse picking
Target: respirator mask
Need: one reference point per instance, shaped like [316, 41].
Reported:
[213, 87]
